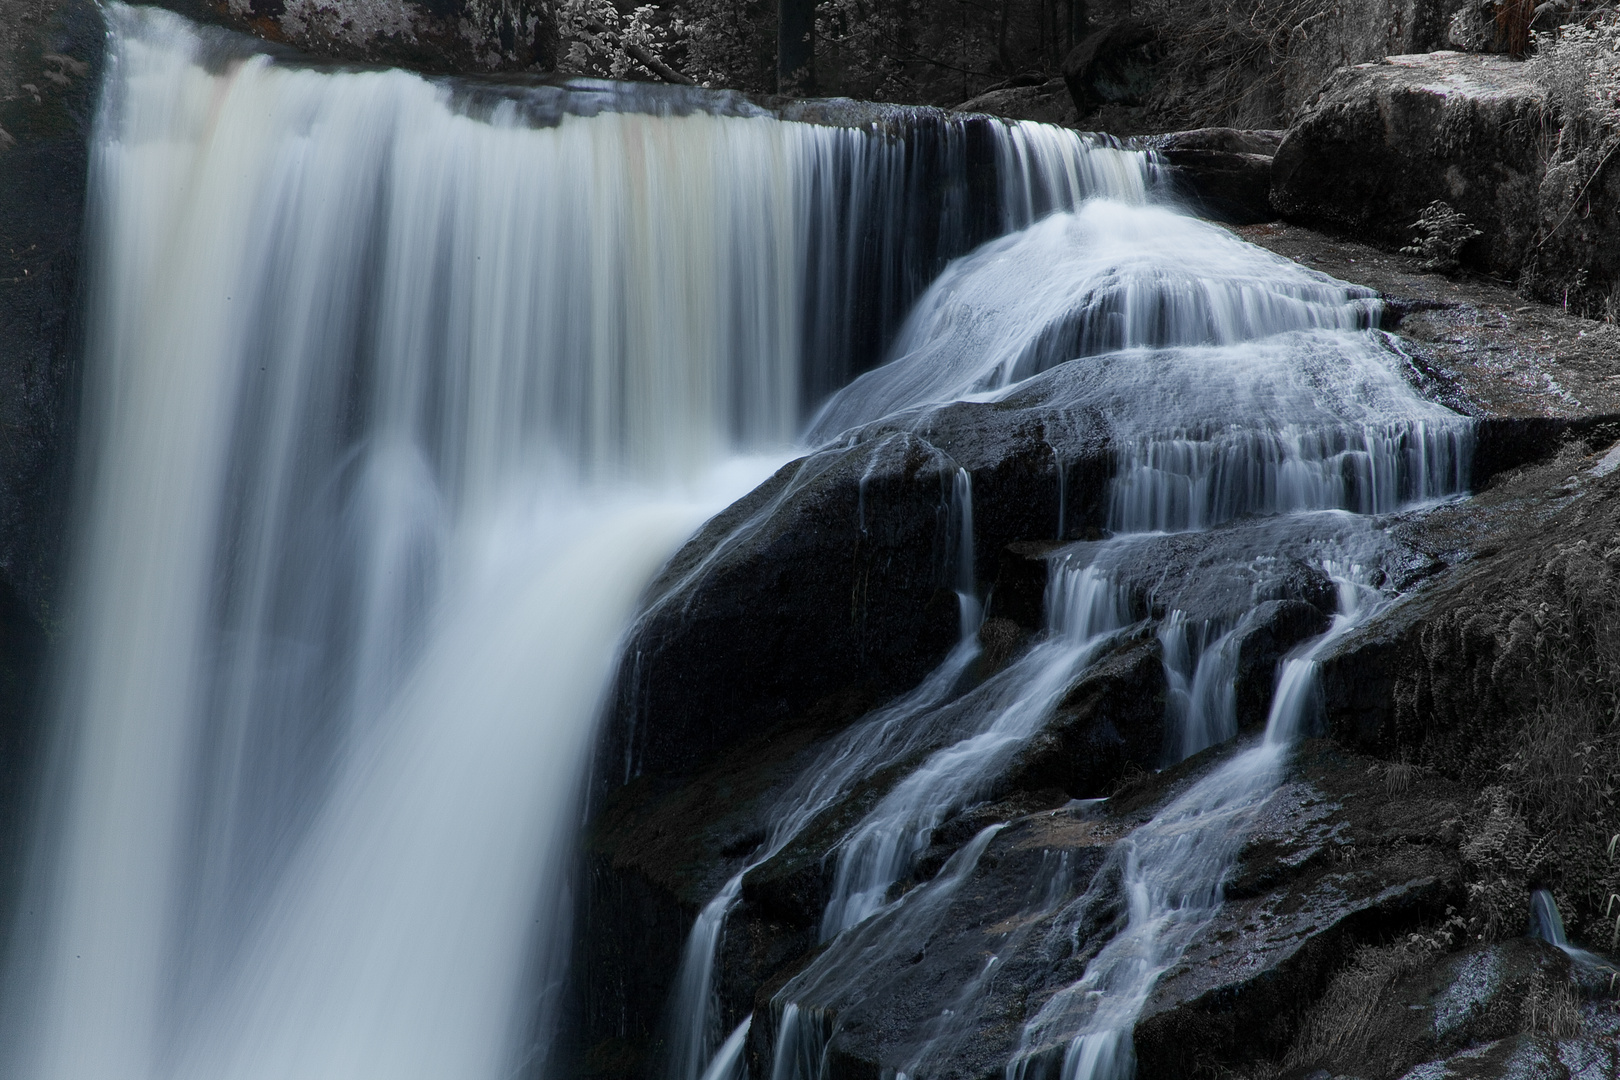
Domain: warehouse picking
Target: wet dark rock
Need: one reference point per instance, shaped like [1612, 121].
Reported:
[1018, 592]
[657, 850]
[1332, 868]
[1497, 673]
[1111, 721]
[1218, 575]
[833, 574]
[1222, 173]
[1001, 639]
[837, 574]
[1275, 628]
[22, 660]
[1382, 141]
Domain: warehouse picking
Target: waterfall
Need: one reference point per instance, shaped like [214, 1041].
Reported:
[1171, 875]
[1236, 387]
[398, 393]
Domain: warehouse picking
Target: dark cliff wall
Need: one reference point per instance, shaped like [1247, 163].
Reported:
[50, 61]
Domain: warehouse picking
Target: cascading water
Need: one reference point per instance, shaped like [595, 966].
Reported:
[398, 394]
[1233, 385]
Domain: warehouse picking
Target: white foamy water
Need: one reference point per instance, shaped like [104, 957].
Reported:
[397, 397]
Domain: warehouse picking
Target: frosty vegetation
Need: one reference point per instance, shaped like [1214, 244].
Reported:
[914, 51]
[1579, 64]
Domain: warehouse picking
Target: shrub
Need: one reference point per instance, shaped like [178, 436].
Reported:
[1441, 233]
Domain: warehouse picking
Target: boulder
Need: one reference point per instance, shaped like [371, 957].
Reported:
[1383, 141]
[1355, 32]
[1271, 632]
[1110, 722]
[1575, 259]
[1113, 65]
[1042, 102]
[1222, 173]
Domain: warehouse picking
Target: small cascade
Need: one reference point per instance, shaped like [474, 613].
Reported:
[1086, 609]
[1114, 275]
[961, 553]
[1547, 923]
[1238, 388]
[1200, 664]
[805, 1030]
[728, 1063]
[1171, 874]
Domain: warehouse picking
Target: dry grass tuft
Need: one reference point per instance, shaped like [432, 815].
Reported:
[1342, 1025]
[1552, 1008]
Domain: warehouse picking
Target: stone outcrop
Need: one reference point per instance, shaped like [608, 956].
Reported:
[1044, 103]
[1382, 141]
[1221, 173]
[1112, 65]
[1575, 259]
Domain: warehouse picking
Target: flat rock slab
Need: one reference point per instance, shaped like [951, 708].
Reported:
[1495, 353]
